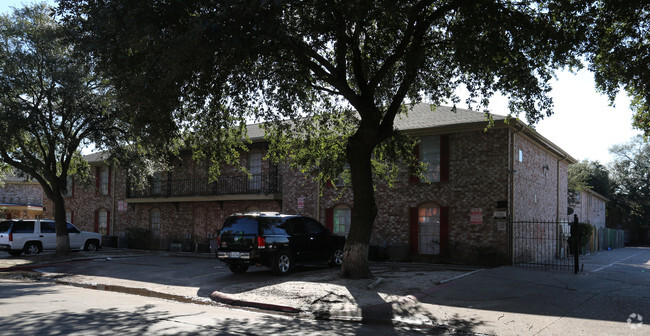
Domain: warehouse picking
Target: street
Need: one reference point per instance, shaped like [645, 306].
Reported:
[43, 308]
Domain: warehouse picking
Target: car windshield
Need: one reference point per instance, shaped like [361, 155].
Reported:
[4, 227]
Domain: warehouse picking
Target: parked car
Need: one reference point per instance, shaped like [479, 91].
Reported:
[32, 236]
[277, 241]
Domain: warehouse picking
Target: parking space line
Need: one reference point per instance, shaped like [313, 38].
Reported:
[616, 262]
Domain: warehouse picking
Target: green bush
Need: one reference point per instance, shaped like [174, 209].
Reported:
[138, 238]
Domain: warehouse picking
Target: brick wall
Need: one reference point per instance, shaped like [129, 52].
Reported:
[536, 189]
[591, 209]
[478, 169]
[21, 193]
[86, 201]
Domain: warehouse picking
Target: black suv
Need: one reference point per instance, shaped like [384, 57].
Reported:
[276, 241]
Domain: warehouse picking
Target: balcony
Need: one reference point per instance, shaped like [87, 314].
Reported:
[23, 201]
[263, 186]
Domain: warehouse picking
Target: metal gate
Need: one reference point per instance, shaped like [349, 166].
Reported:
[544, 244]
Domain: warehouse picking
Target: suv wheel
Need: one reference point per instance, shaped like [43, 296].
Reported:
[238, 268]
[91, 245]
[336, 259]
[32, 248]
[283, 263]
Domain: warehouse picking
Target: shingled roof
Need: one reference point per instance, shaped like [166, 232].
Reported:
[419, 116]
[427, 116]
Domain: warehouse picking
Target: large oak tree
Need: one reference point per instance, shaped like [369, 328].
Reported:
[208, 66]
[51, 104]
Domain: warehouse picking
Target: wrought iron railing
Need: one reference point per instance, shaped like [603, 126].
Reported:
[21, 200]
[226, 185]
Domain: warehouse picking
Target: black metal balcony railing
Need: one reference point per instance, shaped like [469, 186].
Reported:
[21, 201]
[226, 185]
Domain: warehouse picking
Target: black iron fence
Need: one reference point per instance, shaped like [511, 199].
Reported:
[21, 200]
[226, 185]
[545, 244]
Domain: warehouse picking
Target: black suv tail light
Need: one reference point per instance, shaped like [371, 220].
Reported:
[261, 242]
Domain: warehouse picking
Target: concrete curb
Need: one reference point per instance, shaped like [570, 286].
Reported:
[137, 291]
[226, 299]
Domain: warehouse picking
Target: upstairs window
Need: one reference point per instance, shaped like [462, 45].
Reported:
[103, 180]
[255, 169]
[430, 154]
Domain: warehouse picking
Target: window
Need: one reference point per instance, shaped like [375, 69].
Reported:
[154, 222]
[521, 156]
[103, 180]
[312, 226]
[48, 227]
[430, 154]
[72, 229]
[157, 184]
[68, 215]
[342, 220]
[429, 229]
[255, 169]
[23, 227]
[102, 221]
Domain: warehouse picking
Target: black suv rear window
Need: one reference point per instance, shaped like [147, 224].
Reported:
[249, 226]
[239, 225]
[273, 226]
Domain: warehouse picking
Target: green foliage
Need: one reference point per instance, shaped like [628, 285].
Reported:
[619, 53]
[586, 230]
[589, 175]
[51, 103]
[205, 67]
[630, 172]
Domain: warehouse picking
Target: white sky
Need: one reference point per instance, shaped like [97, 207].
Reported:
[584, 124]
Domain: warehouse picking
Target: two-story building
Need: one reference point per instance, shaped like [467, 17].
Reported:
[20, 198]
[478, 181]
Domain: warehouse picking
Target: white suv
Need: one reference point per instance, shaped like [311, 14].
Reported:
[32, 236]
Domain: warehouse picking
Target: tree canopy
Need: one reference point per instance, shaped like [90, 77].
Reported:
[347, 66]
[630, 173]
[619, 53]
[51, 104]
[589, 175]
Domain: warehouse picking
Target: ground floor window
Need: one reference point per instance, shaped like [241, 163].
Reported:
[154, 222]
[429, 229]
[342, 219]
[102, 221]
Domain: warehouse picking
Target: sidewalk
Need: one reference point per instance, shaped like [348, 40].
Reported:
[503, 301]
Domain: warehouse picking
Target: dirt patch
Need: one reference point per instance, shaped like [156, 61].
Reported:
[325, 291]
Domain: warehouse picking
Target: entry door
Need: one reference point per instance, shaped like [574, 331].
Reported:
[428, 229]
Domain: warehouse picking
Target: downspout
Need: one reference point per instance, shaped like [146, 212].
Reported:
[511, 200]
[557, 217]
[113, 201]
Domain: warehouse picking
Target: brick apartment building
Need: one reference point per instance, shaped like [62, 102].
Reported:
[477, 181]
[20, 198]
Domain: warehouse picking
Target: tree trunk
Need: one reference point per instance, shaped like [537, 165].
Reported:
[62, 237]
[355, 255]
